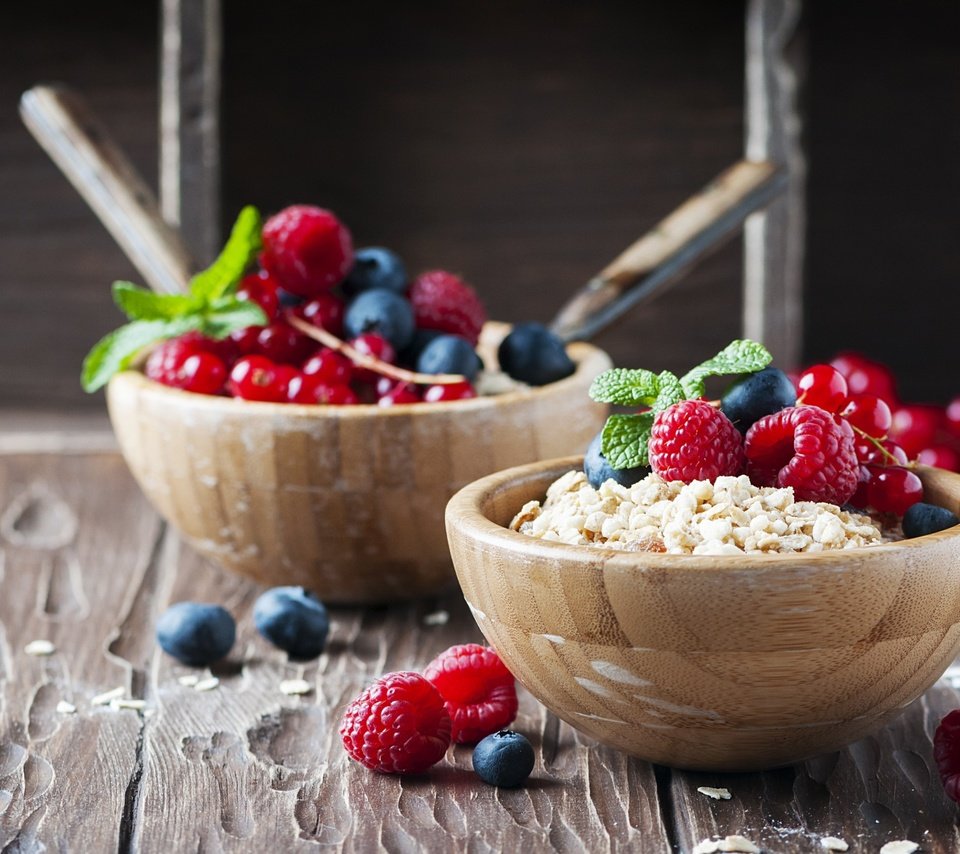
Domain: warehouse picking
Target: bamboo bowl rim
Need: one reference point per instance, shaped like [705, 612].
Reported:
[465, 512]
[586, 357]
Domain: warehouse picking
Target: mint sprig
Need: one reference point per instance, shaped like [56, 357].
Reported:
[625, 436]
[209, 307]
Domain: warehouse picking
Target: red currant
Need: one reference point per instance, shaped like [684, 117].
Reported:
[313, 390]
[893, 489]
[245, 340]
[202, 373]
[257, 378]
[915, 427]
[400, 393]
[822, 386]
[324, 311]
[940, 456]
[262, 289]
[370, 344]
[869, 414]
[329, 366]
[454, 391]
[865, 376]
[280, 342]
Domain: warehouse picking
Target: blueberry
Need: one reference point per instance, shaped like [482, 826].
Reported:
[598, 470]
[196, 633]
[532, 354]
[376, 267]
[421, 338]
[289, 300]
[756, 395]
[450, 354]
[383, 312]
[923, 518]
[503, 759]
[293, 619]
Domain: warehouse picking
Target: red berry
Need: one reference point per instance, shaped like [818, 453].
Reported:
[807, 448]
[307, 248]
[329, 366]
[202, 373]
[257, 378]
[400, 393]
[946, 753]
[823, 386]
[693, 440]
[371, 344]
[223, 349]
[324, 311]
[398, 725]
[280, 342]
[865, 376]
[893, 489]
[313, 389]
[869, 414]
[868, 452]
[445, 393]
[445, 302]
[953, 417]
[477, 689]
[860, 497]
[915, 427]
[941, 456]
[245, 340]
[261, 288]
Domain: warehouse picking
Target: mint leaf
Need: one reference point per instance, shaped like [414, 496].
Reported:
[626, 387]
[738, 357]
[116, 350]
[670, 392]
[625, 438]
[222, 275]
[141, 304]
[228, 314]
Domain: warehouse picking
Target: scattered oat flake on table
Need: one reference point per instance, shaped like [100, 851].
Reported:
[126, 703]
[40, 647]
[737, 843]
[899, 846]
[295, 686]
[207, 684]
[105, 698]
[189, 680]
[65, 708]
[717, 794]
[437, 618]
[707, 846]
[833, 843]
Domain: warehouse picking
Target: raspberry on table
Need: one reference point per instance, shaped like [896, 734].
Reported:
[478, 691]
[445, 302]
[946, 753]
[807, 448]
[693, 440]
[398, 725]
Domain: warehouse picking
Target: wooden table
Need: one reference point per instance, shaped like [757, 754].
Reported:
[86, 564]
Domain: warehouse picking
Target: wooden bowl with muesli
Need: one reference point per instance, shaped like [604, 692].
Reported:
[712, 660]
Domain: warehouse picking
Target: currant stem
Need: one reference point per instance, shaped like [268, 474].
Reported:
[369, 362]
[878, 444]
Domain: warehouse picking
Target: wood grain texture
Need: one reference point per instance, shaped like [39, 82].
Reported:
[720, 663]
[346, 500]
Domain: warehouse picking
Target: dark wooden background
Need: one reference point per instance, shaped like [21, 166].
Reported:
[523, 144]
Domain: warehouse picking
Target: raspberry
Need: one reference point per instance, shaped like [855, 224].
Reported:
[307, 249]
[693, 440]
[807, 448]
[478, 691]
[445, 302]
[398, 725]
[946, 753]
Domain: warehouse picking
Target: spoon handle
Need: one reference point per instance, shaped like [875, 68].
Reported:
[64, 126]
[700, 224]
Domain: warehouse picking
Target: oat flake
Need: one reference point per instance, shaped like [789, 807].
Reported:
[40, 647]
[707, 846]
[207, 684]
[65, 708]
[899, 846]
[189, 681]
[295, 686]
[833, 843]
[106, 697]
[717, 794]
[738, 843]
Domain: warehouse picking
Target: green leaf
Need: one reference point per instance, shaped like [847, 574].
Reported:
[117, 350]
[222, 275]
[738, 357]
[626, 387]
[141, 304]
[671, 392]
[625, 438]
[228, 314]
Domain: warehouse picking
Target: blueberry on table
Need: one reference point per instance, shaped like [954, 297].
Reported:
[922, 518]
[292, 619]
[503, 759]
[383, 312]
[449, 354]
[421, 338]
[756, 395]
[598, 469]
[196, 633]
[376, 267]
[532, 354]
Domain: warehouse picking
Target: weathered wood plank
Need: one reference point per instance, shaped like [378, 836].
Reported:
[774, 239]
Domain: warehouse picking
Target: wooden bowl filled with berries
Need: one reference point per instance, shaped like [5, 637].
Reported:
[307, 422]
[781, 583]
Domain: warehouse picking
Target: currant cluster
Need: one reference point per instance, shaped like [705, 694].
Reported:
[885, 482]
